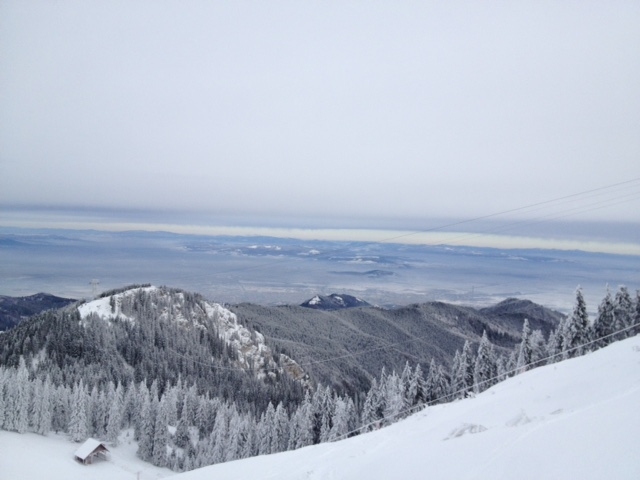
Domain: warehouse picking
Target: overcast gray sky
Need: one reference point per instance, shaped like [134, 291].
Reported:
[336, 110]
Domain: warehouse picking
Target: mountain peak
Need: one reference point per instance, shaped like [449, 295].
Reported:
[334, 301]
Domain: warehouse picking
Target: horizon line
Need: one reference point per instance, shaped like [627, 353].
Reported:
[365, 235]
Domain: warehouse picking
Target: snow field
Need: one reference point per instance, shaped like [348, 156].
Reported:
[33, 457]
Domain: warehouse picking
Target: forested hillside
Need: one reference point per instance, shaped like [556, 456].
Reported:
[198, 386]
[345, 348]
[15, 309]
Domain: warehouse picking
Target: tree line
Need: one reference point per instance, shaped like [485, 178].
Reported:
[181, 425]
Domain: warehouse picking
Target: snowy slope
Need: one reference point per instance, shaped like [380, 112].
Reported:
[575, 419]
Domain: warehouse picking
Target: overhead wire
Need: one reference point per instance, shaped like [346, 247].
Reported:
[493, 380]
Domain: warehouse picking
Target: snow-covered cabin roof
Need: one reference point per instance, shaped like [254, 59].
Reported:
[88, 447]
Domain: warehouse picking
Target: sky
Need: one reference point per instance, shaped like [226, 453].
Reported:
[360, 114]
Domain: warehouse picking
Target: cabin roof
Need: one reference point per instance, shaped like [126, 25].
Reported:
[88, 447]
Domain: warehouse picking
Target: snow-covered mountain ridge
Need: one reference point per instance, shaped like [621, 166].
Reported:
[253, 354]
[574, 419]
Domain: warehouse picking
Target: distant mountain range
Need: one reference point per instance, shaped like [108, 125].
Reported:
[15, 309]
[345, 347]
[338, 340]
[334, 302]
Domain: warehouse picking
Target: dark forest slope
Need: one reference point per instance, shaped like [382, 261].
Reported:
[345, 348]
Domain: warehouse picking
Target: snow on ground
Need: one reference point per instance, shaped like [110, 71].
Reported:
[102, 307]
[574, 419]
[34, 457]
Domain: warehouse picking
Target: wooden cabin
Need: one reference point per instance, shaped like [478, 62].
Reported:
[89, 450]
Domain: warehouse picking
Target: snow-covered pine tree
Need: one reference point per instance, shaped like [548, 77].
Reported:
[250, 447]
[462, 372]
[603, 325]
[373, 409]
[624, 313]
[23, 398]
[417, 388]
[266, 430]
[437, 386]
[98, 412]
[116, 415]
[301, 434]
[554, 343]
[393, 399]
[576, 331]
[160, 435]
[130, 412]
[43, 408]
[237, 430]
[636, 318]
[281, 440]
[408, 387]
[78, 420]
[322, 403]
[146, 428]
[538, 348]
[457, 376]
[525, 351]
[9, 399]
[3, 398]
[340, 420]
[485, 370]
[61, 398]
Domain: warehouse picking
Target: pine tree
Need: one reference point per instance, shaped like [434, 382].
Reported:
[116, 415]
[23, 398]
[417, 390]
[437, 387]
[408, 387]
[78, 420]
[301, 434]
[3, 397]
[462, 371]
[61, 409]
[237, 430]
[525, 351]
[340, 420]
[624, 313]
[576, 331]
[538, 348]
[160, 436]
[372, 411]
[636, 318]
[603, 325]
[281, 429]
[43, 408]
[393, 399]
[146, 428]
[554, 343]
[485, 370]
[267, 430]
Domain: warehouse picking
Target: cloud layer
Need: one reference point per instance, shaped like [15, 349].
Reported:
[327, 110]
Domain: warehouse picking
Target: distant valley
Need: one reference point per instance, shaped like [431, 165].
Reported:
[277, 271]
